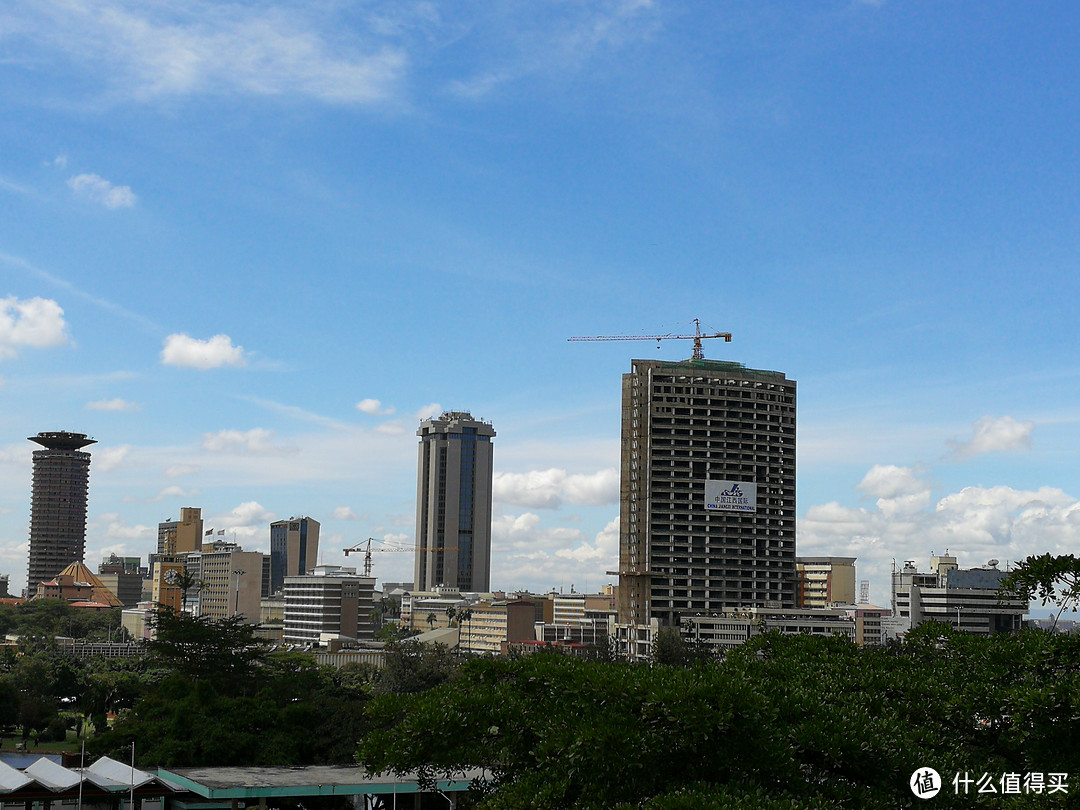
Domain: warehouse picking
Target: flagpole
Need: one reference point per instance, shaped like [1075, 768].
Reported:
[82, 770]
[131, 796]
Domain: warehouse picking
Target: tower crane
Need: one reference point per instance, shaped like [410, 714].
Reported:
[365, 547]
[697, 337]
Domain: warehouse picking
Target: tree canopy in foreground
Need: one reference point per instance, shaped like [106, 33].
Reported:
[784, 722]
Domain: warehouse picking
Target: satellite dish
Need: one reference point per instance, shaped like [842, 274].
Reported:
[993, 563]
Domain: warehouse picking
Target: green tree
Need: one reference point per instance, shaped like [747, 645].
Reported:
[1050, 579]
[225, 650]
[783, 722]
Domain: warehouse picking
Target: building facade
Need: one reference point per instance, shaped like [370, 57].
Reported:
[707, 493]
[966, 599]
[453, 503]
[824, 581]
[294, 549]
[330, 603]
[231, 582]
[57, 505]
[183, 535]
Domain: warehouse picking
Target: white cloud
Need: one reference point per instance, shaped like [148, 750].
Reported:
[111, 405]
[373, 407]
[112, 526]
[99, 190]
[189, 352]
[180, 470]
[256, 441]
[995, 434]
[976, 524]
[109, 458]
[59, 162]
[35, 322]
[391, 428]
[248, 520]
[344, 513]
[194, 47]
[889, 481]
[527, 554]
[549, 489]
[428, 411]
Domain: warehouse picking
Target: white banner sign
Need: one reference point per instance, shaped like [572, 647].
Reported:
[731, 496]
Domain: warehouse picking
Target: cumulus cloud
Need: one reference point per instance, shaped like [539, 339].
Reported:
[257, 441]
[247, 520]
[344, 513]
[528, 554]
[995, 435]
[188, 352]
[976, 524]
[99, 190]
[109, 458]
[549, 489]
[112, 526]
[35, 322]
[428, 411]
[373, 407]
[116, 404]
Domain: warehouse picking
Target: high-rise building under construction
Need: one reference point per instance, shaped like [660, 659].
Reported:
[57, 505]
[707, 500]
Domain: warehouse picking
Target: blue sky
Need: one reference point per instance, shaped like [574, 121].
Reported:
[246, 246]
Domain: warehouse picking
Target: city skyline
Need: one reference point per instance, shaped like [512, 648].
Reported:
[248, 247]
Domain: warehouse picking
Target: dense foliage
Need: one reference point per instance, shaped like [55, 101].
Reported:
[793, 722]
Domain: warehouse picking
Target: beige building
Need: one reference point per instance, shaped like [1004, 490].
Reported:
[183, 535]
[824, 581]
[571, 608]
[231, 582]
[491, 626]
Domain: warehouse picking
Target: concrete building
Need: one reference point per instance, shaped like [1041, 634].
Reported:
[824, 581]
[491, 626]
[967, 599]
[735, 628]
[329, 604]
[183, 535]
[58, 499]
[707, 496]
[126, 587]
[231, 582]
[572, 608]
[453, 503]
[294, 549]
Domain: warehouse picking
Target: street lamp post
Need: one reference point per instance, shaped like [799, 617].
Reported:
[237, 573]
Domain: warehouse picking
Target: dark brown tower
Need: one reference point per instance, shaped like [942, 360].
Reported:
[57, 505]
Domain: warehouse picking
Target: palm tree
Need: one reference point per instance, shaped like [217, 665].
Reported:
[431, 620]
[186, 581]
[465, 615]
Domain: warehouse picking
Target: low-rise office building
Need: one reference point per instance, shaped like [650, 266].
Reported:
[967, 599]
[331, 603]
